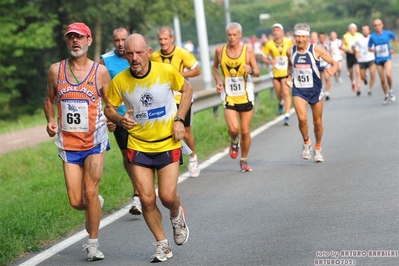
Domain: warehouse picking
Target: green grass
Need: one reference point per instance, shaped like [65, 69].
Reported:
[23, 122]
[35, 211]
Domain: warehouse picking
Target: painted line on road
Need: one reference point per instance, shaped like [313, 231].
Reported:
[122, 212]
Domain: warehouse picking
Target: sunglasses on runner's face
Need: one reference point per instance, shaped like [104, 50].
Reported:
[73, 36]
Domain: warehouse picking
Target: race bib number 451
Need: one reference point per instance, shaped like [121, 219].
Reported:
[75, 115]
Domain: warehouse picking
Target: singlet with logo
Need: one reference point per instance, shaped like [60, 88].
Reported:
[382, 46]
[151, 98]
[278, 51]
[238, 87]
[180, 59]
[362, 47]
[335, 50]
[81, 122]
[305, 69]
[350, 39]
[115, 64]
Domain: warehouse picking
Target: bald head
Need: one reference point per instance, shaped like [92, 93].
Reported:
[378, 25]
[137, 53]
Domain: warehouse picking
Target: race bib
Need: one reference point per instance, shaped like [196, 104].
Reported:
[382, 50]
[303, 77]
[75, 115]
[282, 63]
[235, 86]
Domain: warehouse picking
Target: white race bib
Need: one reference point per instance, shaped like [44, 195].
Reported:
[303, 77]
[235, 86]
[75, 115]
[282, 63]
[382, 50]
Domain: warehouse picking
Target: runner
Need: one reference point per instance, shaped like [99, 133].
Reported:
[348, 40]
[187, 65]
[336, 52]
[78, 85]
[306, 86]
[237, 63]
[277, 50]
[156, 129]
[115, 62]
[365, 58]
[383, 56]
[323, 42]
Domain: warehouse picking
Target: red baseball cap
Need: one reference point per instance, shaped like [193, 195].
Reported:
[79, 28]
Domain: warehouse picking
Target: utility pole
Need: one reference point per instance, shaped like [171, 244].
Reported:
[227, 11]
[176, 25]
[203, 43]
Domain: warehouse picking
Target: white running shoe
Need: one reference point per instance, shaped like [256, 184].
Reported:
[93, 251]
[306, 151]
[385, 101]
[136, 206]
[392, 97]
[318, 156]
[162, 252]
[180, 228]
[193, 167]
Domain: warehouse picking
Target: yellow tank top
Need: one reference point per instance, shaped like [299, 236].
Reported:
[278, 51]
[350, 39]
[238, 87]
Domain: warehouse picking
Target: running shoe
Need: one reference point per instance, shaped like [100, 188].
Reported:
[162, 252]
[245, 167]
[287, 121]
[354, 87]
[306, 151]
[180, 228]
[370, 93]
[318, 156]
[365, 80]
[101, 200]
[385, 101]
[233, 149]
[93, 251]
[358, 93]
[280, 108]
[327, 97]
[193, 167]
[136, 206]
[340, 81]
[392, 97]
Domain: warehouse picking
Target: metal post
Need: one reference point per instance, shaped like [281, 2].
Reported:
[227, 11]
[176, 24]
[203, 43]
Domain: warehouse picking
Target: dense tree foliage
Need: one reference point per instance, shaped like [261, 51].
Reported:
[32, 30]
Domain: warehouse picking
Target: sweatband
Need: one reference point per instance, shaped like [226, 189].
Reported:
[301, 32]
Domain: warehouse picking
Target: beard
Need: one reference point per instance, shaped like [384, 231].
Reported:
[84, 50]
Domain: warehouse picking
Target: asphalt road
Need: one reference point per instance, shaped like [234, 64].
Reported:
[288, 211]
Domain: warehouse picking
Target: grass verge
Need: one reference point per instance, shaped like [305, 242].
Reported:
[35, 208]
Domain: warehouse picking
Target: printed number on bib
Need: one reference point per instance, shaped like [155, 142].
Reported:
[382, 50]
[75, 115]
[235, 86]
[304, 78]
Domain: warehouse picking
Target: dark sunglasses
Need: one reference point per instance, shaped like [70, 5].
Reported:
[74, 35]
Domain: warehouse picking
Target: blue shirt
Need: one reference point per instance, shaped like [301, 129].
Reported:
[382, 46]
[115, 64]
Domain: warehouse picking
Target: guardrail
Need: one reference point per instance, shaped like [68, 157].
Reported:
[206, 99]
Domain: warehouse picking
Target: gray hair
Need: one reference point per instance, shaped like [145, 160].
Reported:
[302, 26]
[234, 25]
[136, 37]
[166, 28]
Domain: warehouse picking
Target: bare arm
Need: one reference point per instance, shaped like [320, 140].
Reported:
[321, 52]
[191, 72]
[49, 100]
[215, 70]
[251, 67]
[185, 103]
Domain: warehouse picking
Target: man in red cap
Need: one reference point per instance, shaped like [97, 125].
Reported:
[78, 85]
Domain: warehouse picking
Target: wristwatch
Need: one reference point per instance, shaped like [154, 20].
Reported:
[178, 119]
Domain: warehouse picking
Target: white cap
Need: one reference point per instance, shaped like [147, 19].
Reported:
[277, 25]
[352, 25]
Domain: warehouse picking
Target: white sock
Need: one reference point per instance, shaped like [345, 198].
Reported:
[164, 241]
[287, 115]
[194, 158]
[178, 216]
[92, 241]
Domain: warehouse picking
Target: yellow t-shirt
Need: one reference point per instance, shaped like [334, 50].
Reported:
[179, 58]
[278, 51]
[151, 98]
[350, 39]
[238, 87]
